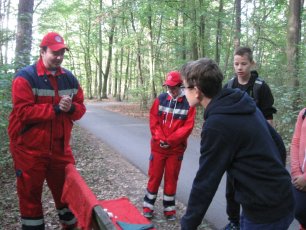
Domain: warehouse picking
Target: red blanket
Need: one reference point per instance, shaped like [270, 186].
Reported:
[80, 199]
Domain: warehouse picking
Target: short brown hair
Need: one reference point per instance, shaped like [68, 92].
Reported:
[205, 74]
[244, 50]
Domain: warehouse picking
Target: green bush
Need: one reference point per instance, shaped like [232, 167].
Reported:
[5, 109]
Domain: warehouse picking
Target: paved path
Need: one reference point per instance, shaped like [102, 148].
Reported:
[130, 137]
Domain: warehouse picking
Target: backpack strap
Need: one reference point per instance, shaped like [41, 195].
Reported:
[256, 88]
[230, 83]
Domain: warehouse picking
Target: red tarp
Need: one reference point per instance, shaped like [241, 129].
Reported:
[81, 201]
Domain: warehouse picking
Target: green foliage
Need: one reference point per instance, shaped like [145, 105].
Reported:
[5, 108]
[157, 36]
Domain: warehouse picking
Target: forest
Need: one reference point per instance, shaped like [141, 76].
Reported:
[122, 49]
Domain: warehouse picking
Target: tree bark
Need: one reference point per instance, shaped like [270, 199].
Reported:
[219, 32]
[202, 29]
[24, 33]
[238, 23]
[293, 41]
[151, 52]
[109, 58]
[194, 42]
[144, 101]
[100, 57]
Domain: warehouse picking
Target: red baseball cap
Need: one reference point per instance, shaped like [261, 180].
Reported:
[54, 41]
[173, 79]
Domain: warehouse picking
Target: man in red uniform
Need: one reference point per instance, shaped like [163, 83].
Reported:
[46, 100]
[171, 122]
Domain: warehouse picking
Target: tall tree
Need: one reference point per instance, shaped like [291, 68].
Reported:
[202, 28]
[144, 99]
[151, 50]
[219, 31]
[194, 34]
[24, 33]
[183, 39]
[293, 42]
[100, 61]
[238, 23]
[5, 36]
[109, 57]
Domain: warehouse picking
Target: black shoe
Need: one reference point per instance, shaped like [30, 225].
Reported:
[232, 226]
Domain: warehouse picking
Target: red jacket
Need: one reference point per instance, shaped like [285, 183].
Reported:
[36, 122]
[171, 121]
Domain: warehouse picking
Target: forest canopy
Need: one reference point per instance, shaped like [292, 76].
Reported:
[123, 48]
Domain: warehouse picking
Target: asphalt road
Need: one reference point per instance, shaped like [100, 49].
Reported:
[130, 137]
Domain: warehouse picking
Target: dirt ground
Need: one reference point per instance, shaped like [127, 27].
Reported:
[108, 175]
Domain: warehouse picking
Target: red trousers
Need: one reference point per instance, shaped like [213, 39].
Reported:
[168, 165]
[32, 170]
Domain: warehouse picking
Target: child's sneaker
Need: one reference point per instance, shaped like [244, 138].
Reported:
[147, 212]
[171, 217]
[148, 215]
[232, 226]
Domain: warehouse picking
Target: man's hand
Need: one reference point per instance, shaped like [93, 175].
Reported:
[65, 103]
[299, 183]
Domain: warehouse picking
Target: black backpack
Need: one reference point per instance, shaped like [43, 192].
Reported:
[255, 90]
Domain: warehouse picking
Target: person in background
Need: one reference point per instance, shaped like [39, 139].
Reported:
[247, 80]
[171, 123]
[46, 99]
[237, 139]
[298, 174]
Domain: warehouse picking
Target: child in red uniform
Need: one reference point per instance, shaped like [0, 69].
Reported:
[171, 122]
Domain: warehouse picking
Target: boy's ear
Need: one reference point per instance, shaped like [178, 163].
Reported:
[198, 93]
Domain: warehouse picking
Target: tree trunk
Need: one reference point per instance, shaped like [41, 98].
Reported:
[194, 35]
[202, 29]
[151, 52]
[8, 10]
[238, 23]
[229, 49]
[144, 101]
[109, 58]
[293, 41]
[24, 33]
[100, 58]
[126, 78]
[118, 98]
[219, 32]
[184, 49]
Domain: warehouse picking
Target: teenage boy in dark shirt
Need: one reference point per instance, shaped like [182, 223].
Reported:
[237, 139]
[247, 80]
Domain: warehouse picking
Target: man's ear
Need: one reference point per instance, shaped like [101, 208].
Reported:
[41, 51]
